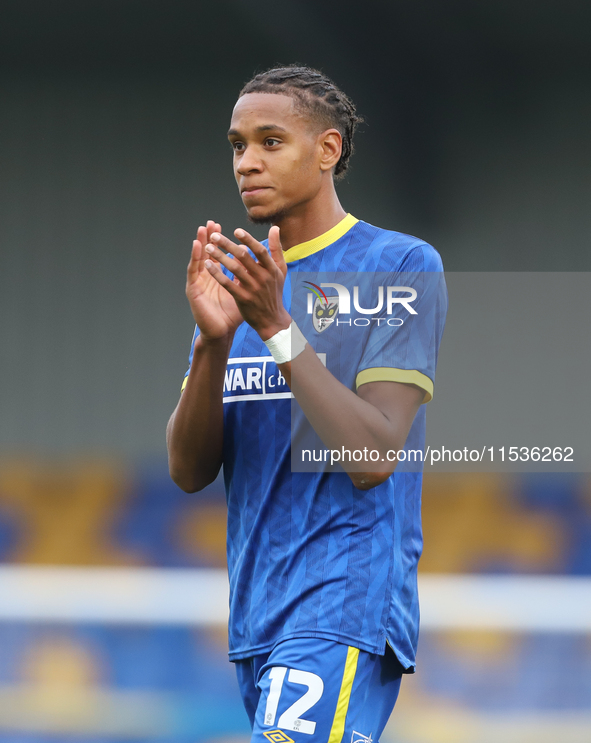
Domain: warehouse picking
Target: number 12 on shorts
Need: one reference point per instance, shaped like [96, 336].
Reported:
[291, 719]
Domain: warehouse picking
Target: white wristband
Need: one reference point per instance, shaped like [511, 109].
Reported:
[286, 344]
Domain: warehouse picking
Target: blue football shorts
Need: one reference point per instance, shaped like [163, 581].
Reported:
[310, 690]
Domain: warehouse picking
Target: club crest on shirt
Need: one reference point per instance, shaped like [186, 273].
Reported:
[324, 312]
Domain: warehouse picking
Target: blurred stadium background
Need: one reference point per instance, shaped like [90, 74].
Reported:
[112, 138]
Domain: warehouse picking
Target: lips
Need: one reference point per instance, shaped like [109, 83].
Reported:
[254, 190]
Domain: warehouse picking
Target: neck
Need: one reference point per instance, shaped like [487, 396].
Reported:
[311, 219]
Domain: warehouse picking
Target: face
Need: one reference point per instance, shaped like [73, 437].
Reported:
[278, 156]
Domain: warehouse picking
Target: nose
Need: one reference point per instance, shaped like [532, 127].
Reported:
[249, 162]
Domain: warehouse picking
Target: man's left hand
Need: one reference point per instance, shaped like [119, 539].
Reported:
[259, 291]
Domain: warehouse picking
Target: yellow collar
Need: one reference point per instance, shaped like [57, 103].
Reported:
[303, 250]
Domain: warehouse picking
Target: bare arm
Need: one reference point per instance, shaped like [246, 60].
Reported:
[194, 434]
[378, 417]
[195, 431]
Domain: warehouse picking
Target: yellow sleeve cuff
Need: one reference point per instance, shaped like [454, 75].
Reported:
[185, 380]
[406, 376]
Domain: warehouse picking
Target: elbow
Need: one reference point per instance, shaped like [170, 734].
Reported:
[368, 480]
[186, 486]
[189, 482]
[183, 482]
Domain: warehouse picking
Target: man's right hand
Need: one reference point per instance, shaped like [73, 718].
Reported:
[213, 307]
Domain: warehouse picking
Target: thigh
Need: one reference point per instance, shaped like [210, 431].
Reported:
[319, 691]
[246, 671]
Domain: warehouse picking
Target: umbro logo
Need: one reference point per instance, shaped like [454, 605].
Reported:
[278, 736]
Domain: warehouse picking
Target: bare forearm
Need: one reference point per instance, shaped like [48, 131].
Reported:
[195, 431]
[337, 414]
[343, 418]
[379, 417]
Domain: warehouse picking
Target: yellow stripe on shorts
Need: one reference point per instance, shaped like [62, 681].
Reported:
[338, 724]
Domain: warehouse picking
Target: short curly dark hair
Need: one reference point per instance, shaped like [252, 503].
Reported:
[316, 94]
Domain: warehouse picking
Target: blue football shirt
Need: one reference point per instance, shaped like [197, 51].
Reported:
[309, 555]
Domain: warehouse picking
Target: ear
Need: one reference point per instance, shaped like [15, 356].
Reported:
[331, 145]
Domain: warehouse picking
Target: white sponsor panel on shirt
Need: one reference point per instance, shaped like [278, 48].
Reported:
[256, 378]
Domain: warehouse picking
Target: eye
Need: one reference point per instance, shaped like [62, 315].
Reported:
[238, 146]
[272, 142]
